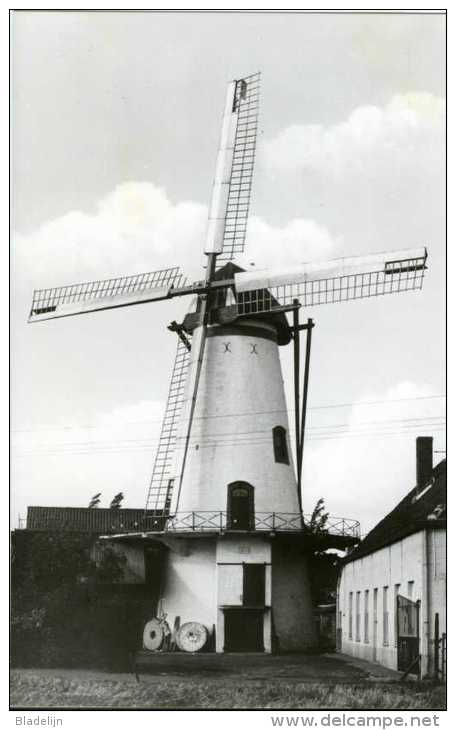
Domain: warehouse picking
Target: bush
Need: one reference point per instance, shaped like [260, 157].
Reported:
[60, 616]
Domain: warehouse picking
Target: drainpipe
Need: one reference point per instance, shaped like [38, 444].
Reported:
[424, 618]
[338, 612]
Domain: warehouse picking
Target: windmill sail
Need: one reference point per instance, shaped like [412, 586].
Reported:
[333, 281]
[162, 481]
[227, 224]
[92, 296]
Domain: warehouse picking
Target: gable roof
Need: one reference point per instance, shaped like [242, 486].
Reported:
[83, 519]
[410, 515]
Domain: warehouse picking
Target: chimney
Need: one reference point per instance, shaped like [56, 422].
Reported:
[423, 460]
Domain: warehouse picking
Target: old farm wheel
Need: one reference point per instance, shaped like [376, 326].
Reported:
[153, 635]
[191, 636]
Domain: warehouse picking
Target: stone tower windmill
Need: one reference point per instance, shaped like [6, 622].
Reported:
[223, 516]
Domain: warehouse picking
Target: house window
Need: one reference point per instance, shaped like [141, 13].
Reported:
[279, 440]
[240, 508]
[410, 585]
[350, 615]
[396, 593]
[366, 617]
[385, 617]
[358, 615]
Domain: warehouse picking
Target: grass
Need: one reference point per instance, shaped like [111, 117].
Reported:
[49, 690]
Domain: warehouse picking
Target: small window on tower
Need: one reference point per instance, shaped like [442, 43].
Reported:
[279, 440]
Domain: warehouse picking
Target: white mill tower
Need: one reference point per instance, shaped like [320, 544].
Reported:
[223, 516]
[238, 489]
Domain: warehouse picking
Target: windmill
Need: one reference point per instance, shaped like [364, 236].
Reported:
[223, 472]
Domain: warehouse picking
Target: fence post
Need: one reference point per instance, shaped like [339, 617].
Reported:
[436, 646]
[444, 657]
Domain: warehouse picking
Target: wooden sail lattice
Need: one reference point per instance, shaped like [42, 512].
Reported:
[246, 100]
[395, 277]
[48, 300]
[162, 480]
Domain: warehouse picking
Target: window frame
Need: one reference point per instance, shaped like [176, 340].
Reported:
[280, 445]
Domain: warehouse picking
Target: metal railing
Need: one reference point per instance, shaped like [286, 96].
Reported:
[210, 521]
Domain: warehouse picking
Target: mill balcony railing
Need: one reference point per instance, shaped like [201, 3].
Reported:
[212, 521]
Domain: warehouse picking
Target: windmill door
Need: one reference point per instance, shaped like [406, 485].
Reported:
[240, 506]
[244, 630]
[408, 637]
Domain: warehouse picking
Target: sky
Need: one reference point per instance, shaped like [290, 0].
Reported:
[115, 126]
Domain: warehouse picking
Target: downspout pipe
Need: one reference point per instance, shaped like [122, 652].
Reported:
[425, 604]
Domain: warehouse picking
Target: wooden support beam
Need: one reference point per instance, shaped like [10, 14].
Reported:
[296, 363]
[174, 327]
[310, 326]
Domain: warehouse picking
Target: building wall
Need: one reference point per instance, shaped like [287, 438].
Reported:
[134, 568]
[436, 545]
[204, 575]
[189, 589]
[240, 400]
[399, 568]
[292, 611]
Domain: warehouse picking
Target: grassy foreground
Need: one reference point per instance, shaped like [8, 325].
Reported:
[49, 690]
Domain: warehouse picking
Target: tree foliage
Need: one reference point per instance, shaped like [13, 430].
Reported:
[319, 517]
[324, 565]
[64, 610]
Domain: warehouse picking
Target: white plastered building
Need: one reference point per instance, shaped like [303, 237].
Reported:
[391, 602]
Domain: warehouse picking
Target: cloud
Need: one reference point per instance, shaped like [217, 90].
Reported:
[115, 453]
[408, 131]
[373, 466]
[300, 240]
[137, 228]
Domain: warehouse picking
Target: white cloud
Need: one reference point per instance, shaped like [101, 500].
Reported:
[300, 240]
[137, 228]
[66, 465]
[407, 131]
[144, 412]
[373, 467]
